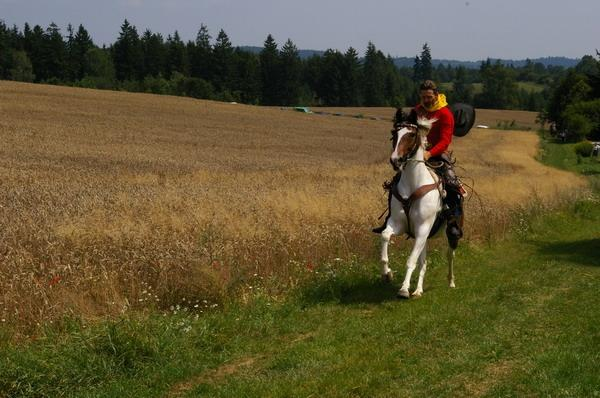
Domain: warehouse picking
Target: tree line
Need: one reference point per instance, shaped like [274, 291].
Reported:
[574, 105]
[216, 69]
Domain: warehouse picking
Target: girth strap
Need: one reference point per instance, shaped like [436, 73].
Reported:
[406, 203]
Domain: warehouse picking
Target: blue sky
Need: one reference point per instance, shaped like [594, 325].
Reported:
[454, 29]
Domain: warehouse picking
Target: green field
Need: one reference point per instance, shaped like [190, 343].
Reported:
[478, 87]
[523, 321]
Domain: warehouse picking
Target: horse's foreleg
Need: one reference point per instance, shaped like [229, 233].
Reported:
[412, 263]
[450, 256]
[422, 269]
[386, 272]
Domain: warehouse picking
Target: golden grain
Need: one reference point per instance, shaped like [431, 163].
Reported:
[108, 195]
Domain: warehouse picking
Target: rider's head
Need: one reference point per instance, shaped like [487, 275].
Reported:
[428, 92]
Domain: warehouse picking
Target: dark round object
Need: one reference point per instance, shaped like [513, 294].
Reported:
[464, 118]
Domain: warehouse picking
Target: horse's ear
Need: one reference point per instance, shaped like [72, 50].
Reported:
[424, 125]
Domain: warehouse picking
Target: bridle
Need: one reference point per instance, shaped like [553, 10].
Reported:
[398, 163]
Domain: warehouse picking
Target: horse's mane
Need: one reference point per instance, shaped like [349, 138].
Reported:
[424, 124]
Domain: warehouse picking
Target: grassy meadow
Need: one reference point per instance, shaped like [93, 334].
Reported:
[523, 321]
[161, 246]
[113, 202]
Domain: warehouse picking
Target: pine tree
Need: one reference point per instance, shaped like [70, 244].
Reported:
[78, 46]
[291, 69]
[154, 54]
[462, 91]
[127, 54]
[330, 78]
[52, 55]
[417, 71]
[426, 66]
[350, 84]
[393, 85]
[176, 56]
[374, 75]
[499, 87]
[5, 52]
[246, 83]
[201, 55]
[270, 73]
[222, 73]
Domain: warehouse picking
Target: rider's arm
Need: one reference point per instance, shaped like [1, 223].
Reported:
[446, 129]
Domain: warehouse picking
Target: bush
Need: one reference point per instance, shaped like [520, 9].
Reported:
[198, 88]
[590, 110]
[584, 148]
[578, 126]
[99, 82]
[156, 85]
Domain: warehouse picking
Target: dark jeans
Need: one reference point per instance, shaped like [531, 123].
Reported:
[453, 202]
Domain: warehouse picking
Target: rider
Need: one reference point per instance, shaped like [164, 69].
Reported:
[433, 105]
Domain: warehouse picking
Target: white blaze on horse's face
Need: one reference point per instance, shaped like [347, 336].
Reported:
[399, 148]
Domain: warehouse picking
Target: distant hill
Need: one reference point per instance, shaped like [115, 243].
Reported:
[546, 61]
[409, 61]
[303, 53]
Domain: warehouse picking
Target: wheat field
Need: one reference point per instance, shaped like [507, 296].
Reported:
[489, 117]
[114, 201]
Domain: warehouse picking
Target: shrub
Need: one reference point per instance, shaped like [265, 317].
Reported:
[590, 110]
[584, 148]
[578, 126]
[156, 85]
[198, 88]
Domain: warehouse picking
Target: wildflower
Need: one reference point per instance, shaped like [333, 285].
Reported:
[55, 279]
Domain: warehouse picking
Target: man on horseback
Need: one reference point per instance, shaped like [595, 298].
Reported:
[433, 105]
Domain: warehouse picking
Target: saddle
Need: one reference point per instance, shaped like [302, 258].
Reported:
[407, 202]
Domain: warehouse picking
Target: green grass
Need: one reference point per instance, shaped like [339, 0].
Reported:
[523, 321]
[562, 156]
[478, 87]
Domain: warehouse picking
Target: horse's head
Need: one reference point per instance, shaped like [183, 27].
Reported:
[407, 139]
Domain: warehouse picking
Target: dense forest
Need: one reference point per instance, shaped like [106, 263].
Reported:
[213, 68]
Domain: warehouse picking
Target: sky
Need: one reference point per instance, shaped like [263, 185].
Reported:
[467, 30]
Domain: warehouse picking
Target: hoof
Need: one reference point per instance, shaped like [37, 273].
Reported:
[417, 294]
[452, 285]
[387, 278]
[403, 294]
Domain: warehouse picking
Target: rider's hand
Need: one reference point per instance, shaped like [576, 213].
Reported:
[426, 155]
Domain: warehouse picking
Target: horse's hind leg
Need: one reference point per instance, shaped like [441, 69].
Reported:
[422, 269]
[450, 256]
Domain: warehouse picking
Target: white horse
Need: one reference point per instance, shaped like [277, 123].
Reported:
[415, 203]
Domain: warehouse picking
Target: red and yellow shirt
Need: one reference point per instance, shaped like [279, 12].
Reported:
[440, 135]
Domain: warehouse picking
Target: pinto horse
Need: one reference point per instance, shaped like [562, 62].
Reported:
[415, 204]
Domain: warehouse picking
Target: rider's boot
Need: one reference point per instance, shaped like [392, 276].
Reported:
[453, 213]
